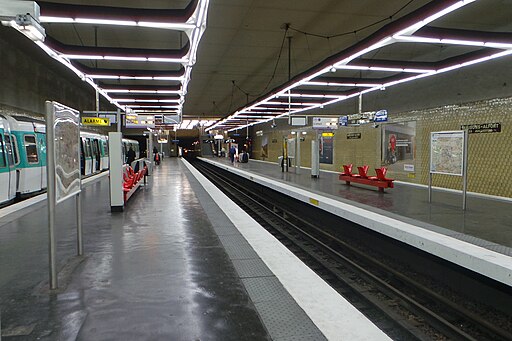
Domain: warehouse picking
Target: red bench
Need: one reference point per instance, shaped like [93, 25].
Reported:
[131, 181]
[379, 181]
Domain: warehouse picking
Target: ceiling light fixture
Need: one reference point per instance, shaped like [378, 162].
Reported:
[430, 13]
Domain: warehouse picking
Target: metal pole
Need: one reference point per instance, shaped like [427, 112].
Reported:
[360, 103]
[465, 170]
[289, 58]
[118, 120]
[429, 187]
[79, 237]
[430, 171]
[97, 102]
[50, 178]
[297, 155]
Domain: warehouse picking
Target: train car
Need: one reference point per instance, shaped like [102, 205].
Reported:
[23, 155]
[134, 144]
[7, 166]
[93, 153]
[28, 137]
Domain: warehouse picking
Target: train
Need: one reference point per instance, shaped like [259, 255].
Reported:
[23, 156]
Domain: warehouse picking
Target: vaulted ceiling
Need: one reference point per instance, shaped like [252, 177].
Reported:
[243, 57]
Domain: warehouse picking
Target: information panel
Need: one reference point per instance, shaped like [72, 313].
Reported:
[66, 151]
[447, 152]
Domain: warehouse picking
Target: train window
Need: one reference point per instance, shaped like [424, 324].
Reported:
[88, 150]
[95, 146]
[31, 149]
[105, 147]
[8, 149]
[2, 154]
[16, 152]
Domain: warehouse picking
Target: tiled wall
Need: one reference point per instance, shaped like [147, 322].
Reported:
[489, 157]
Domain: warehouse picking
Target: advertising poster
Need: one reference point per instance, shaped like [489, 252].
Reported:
[326, 149]
[398, 145]
[447, 152]
[264, 146]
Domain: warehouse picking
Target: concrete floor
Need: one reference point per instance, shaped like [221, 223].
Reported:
[486, 222]
[154, 272]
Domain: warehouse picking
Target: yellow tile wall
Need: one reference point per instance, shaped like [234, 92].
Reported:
[489, 156]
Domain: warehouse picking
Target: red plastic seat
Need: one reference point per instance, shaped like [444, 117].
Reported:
[381, 174]
[347, 170]
[363, 171]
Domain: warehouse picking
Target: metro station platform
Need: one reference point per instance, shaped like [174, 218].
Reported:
[182, 262]
[479, 239]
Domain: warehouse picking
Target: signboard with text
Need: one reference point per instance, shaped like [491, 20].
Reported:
[482, 128]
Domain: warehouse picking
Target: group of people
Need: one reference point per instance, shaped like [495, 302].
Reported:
[130, 156]
[242, 157]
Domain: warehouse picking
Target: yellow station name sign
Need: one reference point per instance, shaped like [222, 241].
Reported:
[95, 121]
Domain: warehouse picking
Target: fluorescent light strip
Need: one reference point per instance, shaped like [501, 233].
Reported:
[378, 68]
[453, 42]
[362, 85]
[148, 100]
[342, 64]
[135, 77]
[154, 106]
[292, 103]
[93, 21]
[126, 58]
[311, 96]
[128, 91]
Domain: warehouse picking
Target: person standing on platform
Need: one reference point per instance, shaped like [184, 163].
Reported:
[130, 156]
[232, 152]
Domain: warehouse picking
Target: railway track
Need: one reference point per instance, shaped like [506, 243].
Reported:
[401, 306]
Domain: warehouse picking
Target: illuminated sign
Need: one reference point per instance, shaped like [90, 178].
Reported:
[95, 121]
[327, 134]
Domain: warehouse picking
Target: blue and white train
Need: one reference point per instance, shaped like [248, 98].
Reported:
[23, 156]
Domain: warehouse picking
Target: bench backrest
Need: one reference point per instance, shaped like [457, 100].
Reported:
[347, 169]
[363, 171]
[381, 173]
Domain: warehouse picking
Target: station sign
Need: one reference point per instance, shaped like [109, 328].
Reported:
[363, 118]
[482, 128]
[381, 116]
[353, 136]
[95, 121]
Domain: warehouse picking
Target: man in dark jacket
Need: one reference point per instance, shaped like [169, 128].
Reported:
[130, 156]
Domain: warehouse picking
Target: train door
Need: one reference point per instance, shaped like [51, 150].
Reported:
[96, 155]
[7, 168]
[32, 177]
[88, 160]
[16, 156]
[82, 155]
[41, 144]
[104, 155]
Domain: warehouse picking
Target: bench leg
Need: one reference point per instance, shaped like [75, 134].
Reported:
[381, 189]
[347, 182]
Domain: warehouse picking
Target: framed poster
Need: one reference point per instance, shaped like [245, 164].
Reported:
[447, 152]
[398, 145]
[326, 147]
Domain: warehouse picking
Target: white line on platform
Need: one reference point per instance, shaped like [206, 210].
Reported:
[4, 212]
[336, 318]
[473, 257]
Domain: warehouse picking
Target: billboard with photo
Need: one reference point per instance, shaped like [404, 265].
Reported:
[399, 145]
[326, 146]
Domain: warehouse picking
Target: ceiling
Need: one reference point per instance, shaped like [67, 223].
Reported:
[244, 54]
